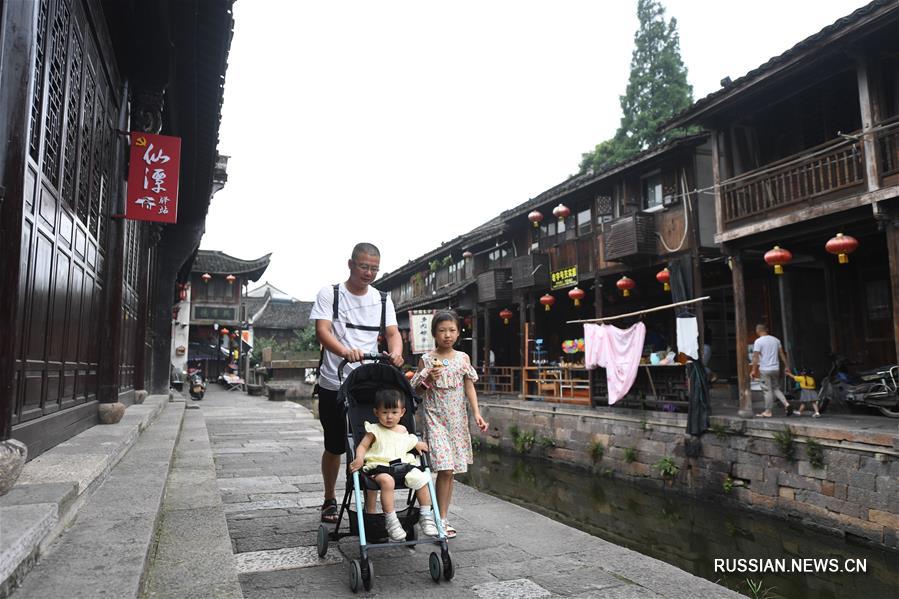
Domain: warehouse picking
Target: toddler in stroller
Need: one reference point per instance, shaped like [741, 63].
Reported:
[379, 407]
[384, 451]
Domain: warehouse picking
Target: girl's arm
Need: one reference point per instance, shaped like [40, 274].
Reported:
[425, 376]
[361, 450]
[472, 395]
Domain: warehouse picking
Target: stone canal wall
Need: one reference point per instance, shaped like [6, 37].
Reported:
[844, 480]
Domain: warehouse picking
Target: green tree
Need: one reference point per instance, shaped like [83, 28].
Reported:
[304, 340]
[656, 91]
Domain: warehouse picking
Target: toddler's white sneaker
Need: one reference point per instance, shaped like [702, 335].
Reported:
[428, 526]
[395, 530]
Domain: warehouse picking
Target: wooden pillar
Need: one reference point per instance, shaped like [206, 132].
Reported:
[869, 114]
[487, 328]
[716, 177]
[830, 302]
[474, 336]
[522, 328]
[17, 33]
[784, 292]
[892, 233]
[745, 395]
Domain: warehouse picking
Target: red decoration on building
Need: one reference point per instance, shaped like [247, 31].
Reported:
[842, 246]
[577, 294]
[506, 314]
[223, 331]
[466, 254]
[153, 174]
[206, 276]
[561, 211]
[663, 277]
[230, 279]
[182, 291]
[547, 300]
[535, 217]
[777, 257]
[625, 284]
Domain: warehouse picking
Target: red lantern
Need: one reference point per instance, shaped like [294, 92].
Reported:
[206, 276]
[842, 246]
[230, 279]
[506, 315]
[547, 300]
[223, 331]
[625, 284]
[182, 291]
[663, 277]
[409, 374]
[777, 257]
[561, 211]
[466, 254]
[577, 294]
[467, 322]
[535, 217]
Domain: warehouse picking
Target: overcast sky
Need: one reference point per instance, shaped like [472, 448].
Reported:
[406, 124]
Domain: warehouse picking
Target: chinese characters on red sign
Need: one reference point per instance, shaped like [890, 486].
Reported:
[153, 178]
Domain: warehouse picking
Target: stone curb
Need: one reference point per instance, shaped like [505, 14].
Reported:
[54, 486]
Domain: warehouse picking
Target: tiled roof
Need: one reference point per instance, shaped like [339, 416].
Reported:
[284, 315]
[810, 44]
[215, 262]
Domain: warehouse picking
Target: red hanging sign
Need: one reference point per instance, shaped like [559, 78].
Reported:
[153, 178]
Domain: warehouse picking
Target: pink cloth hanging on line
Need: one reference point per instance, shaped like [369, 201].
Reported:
[616, 350]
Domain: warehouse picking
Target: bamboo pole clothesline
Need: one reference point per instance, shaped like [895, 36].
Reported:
[656, 309]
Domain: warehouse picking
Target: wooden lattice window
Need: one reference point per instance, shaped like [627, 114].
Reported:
[84, 170]
[37, 92]
[97, 182]
[73, 121]
[59, 43]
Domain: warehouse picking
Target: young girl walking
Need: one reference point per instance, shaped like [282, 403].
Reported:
[446, 378]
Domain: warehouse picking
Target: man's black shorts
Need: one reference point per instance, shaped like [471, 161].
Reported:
[331, 415]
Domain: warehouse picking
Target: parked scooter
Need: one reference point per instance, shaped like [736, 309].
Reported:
[197, 383]
[877, 388]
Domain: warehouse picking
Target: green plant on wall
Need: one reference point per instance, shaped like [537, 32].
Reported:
[597, 450]
[522, 441]
[547, 442]
[666, 467]
[786, 442]
[728, 484]
[434, 265]
[447, 260]
[719, 430]
[630, 455]
[757, 590]
[815, 453]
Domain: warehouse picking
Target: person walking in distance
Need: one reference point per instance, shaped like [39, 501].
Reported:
[349, 318]
[767, 356]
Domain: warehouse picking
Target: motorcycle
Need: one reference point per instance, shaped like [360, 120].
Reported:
[197, 384]
[877, 388]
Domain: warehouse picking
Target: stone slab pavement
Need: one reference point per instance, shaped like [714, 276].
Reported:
[267, 460]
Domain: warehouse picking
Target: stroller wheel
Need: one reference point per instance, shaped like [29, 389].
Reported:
[434, 567]
[448, 570]
[368, 574]
[323, 536]
[355, 575]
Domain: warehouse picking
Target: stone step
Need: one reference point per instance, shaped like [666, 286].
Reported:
[54, 486]
[104, 552]
[193, 556]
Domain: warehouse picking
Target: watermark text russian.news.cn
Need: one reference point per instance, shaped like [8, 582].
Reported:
[796, 565]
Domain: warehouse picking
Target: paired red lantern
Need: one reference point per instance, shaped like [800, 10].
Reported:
[206, 276]
[664, 277]
[535, 217]
[230, 279]
[777, 257]
[842, 246]
[561, 212]
[625, 284]
[577, 294]
[506, 315]
[223, 331]
[547, 300]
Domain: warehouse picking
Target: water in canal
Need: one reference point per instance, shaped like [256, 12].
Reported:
[682, 531]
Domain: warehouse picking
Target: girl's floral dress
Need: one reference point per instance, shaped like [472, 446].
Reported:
[445, 413]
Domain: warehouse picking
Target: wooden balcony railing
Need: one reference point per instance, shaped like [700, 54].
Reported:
[889, 151]
[557, 384]
[790, 181]
[499, 379]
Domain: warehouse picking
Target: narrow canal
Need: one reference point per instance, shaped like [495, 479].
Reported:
[682, 531]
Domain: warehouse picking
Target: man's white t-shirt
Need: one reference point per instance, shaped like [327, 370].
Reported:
[768, 347]
[360, 310]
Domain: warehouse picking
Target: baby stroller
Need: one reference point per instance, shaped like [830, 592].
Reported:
[357, 396]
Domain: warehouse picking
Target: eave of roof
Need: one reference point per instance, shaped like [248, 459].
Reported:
[216, 262]
[858, 19]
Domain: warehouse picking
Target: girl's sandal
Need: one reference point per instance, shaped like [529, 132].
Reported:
[329, 511]
[449, 530]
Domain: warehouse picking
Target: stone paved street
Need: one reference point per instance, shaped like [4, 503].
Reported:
[267, 466]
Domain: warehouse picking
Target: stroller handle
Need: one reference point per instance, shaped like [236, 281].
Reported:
[370, 356]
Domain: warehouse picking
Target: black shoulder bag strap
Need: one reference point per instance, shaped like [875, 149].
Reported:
[382, 330]
[321, 354]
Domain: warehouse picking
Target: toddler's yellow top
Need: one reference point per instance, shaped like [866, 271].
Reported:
[389, 445]
[805, 381]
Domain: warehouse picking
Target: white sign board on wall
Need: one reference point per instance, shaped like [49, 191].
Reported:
[420, 338]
